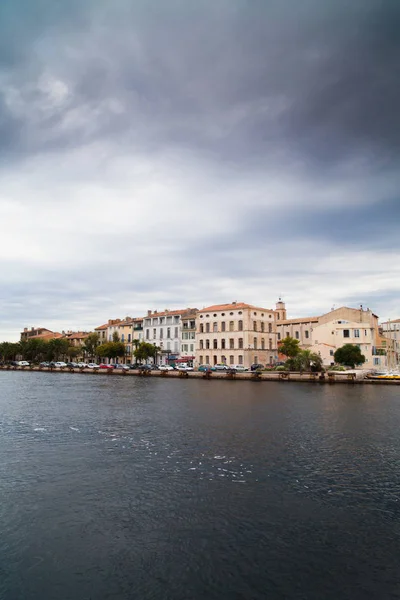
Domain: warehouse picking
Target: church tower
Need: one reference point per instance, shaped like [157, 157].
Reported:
[280, 310]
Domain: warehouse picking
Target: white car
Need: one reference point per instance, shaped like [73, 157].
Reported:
[22, 363]
[165, 368]
[221, 367]
[184, 368]
[240, 368]
[82, 365]
[60, 364]
[93, 366]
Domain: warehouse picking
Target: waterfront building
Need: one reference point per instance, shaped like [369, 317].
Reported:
[390, 332]
[237, 334]
[327, 332]
[102, 333]
[164, 330]
[39, 333]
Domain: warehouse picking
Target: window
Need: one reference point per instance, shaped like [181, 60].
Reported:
[240, 312]
[191, 347]
[376, 361]
[161, 320]
[297, 335]
[154, 333]
[207, 327]
[207, 344]
[123, 337]
[231, 313]
[262, 325]
[201, 328]
[215, 344]
[346, 333]
[262, 344]
[176, 332]
[287, 334]
[169, 319]
[201, 345]
[241, 343]
[155, 321]
[231, 325]
[279, 336]
[240, 325]
[240, 359]
[222, 344]
[270, 343]
[357, 333]
[215, 314]
[277, 317]
[201, 360]
[223, 326]
[231, 360]
[129, 337]
[168, 332]
[231, 344]
[175, 346]
[256, 360]
[128, 349]
[207, 360]
[168, 345]
[255, 343]
[184, 347]
[306, 333]
[223, 359]
[331, 353]
[161, 333]
[254, 325]
[215, 327]
[255, 314]
[366, 332]
[147, 334]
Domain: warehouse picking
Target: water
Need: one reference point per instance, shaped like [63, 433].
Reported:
[115, 488]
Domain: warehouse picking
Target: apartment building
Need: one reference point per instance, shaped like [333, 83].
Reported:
[188, 333]
[102, 332]
[236, 334]
[39, 333]
[164, 330]
[325, 333]
[390, 332]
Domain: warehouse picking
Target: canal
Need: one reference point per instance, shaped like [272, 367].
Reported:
[115, 488]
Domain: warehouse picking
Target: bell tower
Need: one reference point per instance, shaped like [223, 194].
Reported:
[280, 310]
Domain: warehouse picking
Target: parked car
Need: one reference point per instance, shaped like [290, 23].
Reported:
[256, 367]
[104, 366]
[205, 368]
[44, 364]
[122, 367]
[59, 364]
[221, 367]
[145, 367]
[166, 368]
[184, 368]
[72, 365]
[82, 365]
[240, 368]
[22, 363]
[154, 367]
[135, 366]
[93, 366]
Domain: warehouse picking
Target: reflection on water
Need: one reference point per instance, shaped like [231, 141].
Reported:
[130, 487]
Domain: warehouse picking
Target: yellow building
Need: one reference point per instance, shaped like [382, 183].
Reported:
[236, 334]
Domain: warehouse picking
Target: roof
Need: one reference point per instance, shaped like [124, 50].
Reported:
[77, 335]
[168, 313]
[50, 336]
[391, 321]
[101, 327]
[233, 306]
[294, 321]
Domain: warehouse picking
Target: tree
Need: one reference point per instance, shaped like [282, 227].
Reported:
[289, 347]
[144, 351]
[115, 337]
[91, 343]
[57, 349]
[9, 350]
[111, 350]
[349, 355]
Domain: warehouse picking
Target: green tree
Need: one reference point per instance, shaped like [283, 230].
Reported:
[33, 349]
[91, 344]
[9, 350]
[111, 350]
[305, 360]
[144, 351]
[349, 355]
[289, 347]
[115, 337]
[57, 349]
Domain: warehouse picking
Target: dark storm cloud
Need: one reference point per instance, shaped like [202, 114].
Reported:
[242, 81]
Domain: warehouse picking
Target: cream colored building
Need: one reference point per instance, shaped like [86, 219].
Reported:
[326, 333]
[236, 334]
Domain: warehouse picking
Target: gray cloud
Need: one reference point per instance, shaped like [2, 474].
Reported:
[180, 153]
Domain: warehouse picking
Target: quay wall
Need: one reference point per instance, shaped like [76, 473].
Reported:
[277, 376]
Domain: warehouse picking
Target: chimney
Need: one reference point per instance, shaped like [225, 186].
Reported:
[148, 313]
[166, 310]
[234, 302]
[25, 329]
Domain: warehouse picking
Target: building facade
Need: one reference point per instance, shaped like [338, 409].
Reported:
[236, 334]
[326, 333]
[164, 330]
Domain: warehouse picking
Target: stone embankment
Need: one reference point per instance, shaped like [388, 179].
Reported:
[279, 376]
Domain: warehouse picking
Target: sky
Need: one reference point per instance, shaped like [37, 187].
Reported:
[180, 154]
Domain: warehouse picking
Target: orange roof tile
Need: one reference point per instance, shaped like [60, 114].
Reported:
[237, 305]
[101, 327]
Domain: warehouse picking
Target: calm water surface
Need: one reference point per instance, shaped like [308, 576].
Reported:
[114, 488]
